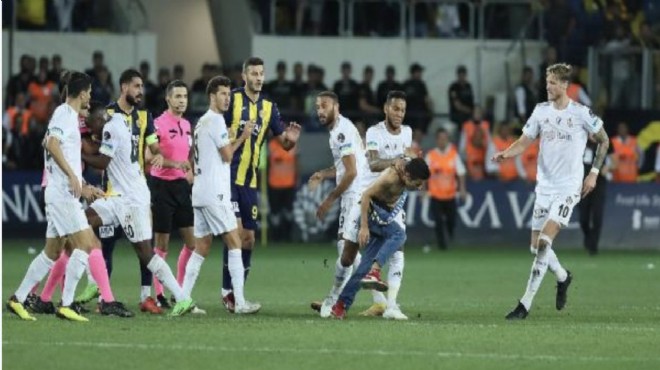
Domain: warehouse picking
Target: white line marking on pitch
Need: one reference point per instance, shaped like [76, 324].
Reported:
[321, 351]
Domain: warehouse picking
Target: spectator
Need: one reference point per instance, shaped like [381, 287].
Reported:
[178, 72]
[418, 102]
[387, 85]
[626, 157]
[646, 38]
[97, 65]
[282, 180]
[149, 86]
[236, 76]
[19, 120]
[446, 166]
[42, 95]
[622, 82]
[199, 85]
[461, 97]
[475, 138]
[280, 90]
[19, 82]
[550, 58]
[560, 22]
[447, 21]
[347, 91]
[56, 69]
[102, 89]
[525, 95]
[367, 102]
[505, 170]
[43, 64]
[298, 87]
[157, 103]
[576, 91]
[526, 163]
[315, 86]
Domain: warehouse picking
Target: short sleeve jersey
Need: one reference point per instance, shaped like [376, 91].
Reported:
[212, 175]
[563, 137]
[345, 140]
[388, 145]
[64, 127]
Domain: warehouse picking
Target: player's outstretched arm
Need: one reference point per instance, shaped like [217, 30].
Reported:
[599, 159]
[515, 149]
[377, 164]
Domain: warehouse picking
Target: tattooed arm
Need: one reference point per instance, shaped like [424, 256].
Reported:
[599, 158]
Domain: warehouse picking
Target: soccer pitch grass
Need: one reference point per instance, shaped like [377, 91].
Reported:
[456, 302]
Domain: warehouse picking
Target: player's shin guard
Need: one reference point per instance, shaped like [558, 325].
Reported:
[226, 276]
[555, 266]
[74, 271]
[38, 269]
[108, 247]
[539, 268]
[237, 271]
[342, 274]
[394, 277]
[192, 272]
[162, 272]
[55, 277]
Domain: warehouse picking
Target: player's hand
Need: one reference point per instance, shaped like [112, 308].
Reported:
[363, 236]
[293, 132]
[498, 157]
[92, 193]
[247, 129]
[314, 181]
[323, 209]
[157, 161]
[589, 184]
[74, 183]
[185, 166]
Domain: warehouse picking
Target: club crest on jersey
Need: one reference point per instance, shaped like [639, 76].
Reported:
[341, 138]
[106, 135]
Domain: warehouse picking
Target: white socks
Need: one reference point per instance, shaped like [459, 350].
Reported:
[539, 268]
[37, 270]
[342, 274]
[555, 266]
[145, 292]
[192, 272]
[394, 277]
[237, 273]
[75, 268]
[162, 272]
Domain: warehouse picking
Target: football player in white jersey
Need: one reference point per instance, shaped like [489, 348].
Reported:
[387, 142]
[349, 171]
[213, 150]
[563, 127]
[64, 211]
[129, 206]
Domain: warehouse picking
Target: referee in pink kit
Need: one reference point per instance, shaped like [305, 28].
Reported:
[171, 205]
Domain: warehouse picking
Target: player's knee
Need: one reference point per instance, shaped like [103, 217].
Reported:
[544, 242]
[248, 240]
[349, 253]
[144, 252]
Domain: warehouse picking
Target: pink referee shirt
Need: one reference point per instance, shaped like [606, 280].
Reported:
[175, 139]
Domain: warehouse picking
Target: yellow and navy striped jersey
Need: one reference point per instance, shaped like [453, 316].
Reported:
[264, 112]
[143, 126]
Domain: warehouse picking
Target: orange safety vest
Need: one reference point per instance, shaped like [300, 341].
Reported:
[282, 166]
[626, 154]
[507, 167]
[40, 100]
[442, 184]
[475, 157]
[23, 120]
[573, 91]
[530, 160]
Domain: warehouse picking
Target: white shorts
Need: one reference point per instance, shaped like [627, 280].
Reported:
[65, 218]
[216, 219]
[135, 219]
[555, 207]
[351, 233]
[349, 214]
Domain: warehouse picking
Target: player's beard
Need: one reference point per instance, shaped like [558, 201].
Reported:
[329, 118]
[390, 125]
[133, 100]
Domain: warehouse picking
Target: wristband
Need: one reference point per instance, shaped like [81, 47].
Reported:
[595, 170]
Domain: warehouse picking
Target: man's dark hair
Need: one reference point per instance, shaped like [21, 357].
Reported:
[76, 83]
[252, 61]
[395, 94]
[174, 84]
[328, 94]
[418, 169]
[215, 83]
[128, 75]
[441, 131]
[94, 106]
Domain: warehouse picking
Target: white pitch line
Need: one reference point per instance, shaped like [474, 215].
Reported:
[324, 351]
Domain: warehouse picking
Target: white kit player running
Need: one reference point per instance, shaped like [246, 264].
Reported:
[349, 171]
[129, 206]
[211, 193]
[563, 127]
[387, 142]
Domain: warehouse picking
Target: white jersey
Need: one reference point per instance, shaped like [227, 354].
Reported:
[212, 175]
[63, 126]
[388, 145]
[345, 140]
[564, 135]
[121, 142]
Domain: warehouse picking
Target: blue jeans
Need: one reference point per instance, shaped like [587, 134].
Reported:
[384, 241]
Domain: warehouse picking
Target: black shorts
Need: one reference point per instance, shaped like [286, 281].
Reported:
[244, 201]
[171, 204]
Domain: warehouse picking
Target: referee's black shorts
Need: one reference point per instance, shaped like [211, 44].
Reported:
[171, 204]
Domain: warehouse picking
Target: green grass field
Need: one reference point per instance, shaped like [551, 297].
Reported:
[456, 302]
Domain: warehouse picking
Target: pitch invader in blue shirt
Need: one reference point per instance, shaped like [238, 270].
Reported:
[249, 105]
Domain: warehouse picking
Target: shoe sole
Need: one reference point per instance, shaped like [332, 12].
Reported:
[316, 306]
[374, 285]
[30, 318]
